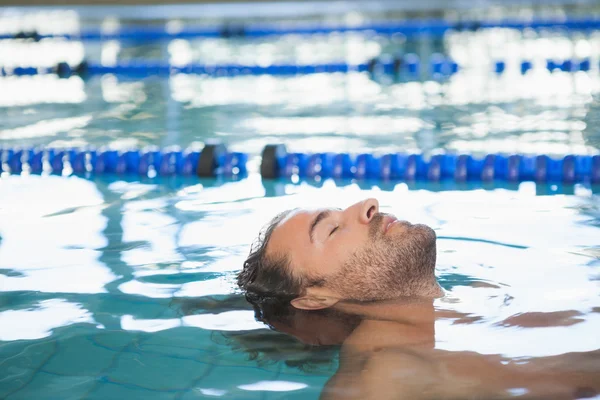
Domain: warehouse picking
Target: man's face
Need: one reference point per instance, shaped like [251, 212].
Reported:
[358, 253]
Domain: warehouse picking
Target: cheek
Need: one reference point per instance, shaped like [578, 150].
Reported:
[332, 259]
[342, 248]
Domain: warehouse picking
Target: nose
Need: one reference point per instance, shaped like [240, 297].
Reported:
[368, 208]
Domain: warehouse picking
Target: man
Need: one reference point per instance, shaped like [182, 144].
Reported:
[320, 257]
[365, 280]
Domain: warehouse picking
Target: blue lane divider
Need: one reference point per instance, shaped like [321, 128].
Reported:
[409, 167]
[213, 160]
[408, 65]
[408, 28]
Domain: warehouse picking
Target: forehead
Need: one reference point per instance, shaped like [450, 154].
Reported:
[290, 236]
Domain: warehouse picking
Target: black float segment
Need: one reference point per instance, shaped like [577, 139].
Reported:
[269, 166]
[209, 159]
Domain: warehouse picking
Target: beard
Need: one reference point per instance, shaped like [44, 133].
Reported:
[400, 263]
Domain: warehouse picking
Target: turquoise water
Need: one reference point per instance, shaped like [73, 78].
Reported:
[125, 289]
[114, 287]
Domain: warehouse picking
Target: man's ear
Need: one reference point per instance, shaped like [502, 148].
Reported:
[313, 303]
[315, 299]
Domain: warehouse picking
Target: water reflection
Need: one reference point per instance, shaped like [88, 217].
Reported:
[38, 322]
[40, 89]
[416, 339]
[542, 112]
[48, 262]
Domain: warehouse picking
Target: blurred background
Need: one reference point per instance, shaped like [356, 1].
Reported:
[117, 266]
[476, 76]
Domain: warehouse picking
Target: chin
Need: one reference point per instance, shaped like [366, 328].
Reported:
[425, 239]
[426, 231]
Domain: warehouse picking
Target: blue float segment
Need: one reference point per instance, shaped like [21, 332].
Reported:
[500, 167]
[434, 171]
[541, 168]
[569, 65]
[584, 65]
[566, 66]
[106, 162]
[24, 71]
[513, 168]
[526, 66]
[320, 164]
[475, 168]
[294, 164]
[367, 167]
[527, 168]
[461, 172]
[57, 162]
[583, 167]
[448, 166]
[470, 168]
[393, 166]
[554, 169]
[437, 63]
[36, 161]
[234, 164]
[499, 67]
[416, 167]
[221, 159]
[5, 156]
[149, 161]
[14, 161]
[595, 175]
[128, 162]
[568, 173]
[78, 162]
[412, 64]
[171, 163]
[453, 65]
[342, 166]
[190, 163]
[84, 161]
[488, 168]
[441, 65]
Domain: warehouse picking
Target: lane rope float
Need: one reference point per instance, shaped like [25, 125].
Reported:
[276, 162]
[409, 28]
[408, 65]
[213, 160]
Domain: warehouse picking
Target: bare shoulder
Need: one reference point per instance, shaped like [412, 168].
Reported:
[386, 374]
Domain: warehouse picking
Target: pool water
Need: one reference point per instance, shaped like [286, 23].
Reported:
[115, 287]
[125, 289]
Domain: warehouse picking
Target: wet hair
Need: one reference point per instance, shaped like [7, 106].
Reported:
[269, 286]
[269, 278]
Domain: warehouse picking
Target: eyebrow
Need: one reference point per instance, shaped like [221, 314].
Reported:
[320, 217]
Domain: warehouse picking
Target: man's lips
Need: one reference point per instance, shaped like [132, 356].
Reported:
[388, 221]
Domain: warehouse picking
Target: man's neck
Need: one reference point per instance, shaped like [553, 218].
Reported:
[406, 323]
[406, 310]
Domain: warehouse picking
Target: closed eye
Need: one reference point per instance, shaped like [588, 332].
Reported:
[333, 230]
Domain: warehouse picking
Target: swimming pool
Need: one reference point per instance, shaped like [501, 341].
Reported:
[124, 286]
